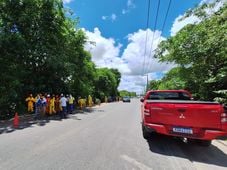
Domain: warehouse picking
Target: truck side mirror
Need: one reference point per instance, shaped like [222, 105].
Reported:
[142, 100]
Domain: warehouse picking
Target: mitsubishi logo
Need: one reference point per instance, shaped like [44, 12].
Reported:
[182, 116]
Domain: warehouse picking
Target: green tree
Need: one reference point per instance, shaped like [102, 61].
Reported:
[200, 50]
[32, 40]
[106, 82]
[42, 50]
[127, 93]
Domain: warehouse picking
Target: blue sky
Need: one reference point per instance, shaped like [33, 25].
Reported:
[118, 29]
[90, 13]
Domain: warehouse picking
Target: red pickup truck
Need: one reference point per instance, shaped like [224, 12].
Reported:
[174, 113]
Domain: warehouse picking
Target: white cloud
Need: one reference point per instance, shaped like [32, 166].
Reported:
[133, 55]
[112, 17]
[106, 53]
[124, 11]
[136, 83]
[139, 63]
[133, 83]
[206, 2]
[130, 5]
[104, 17]
[179, 24]
[67, 1]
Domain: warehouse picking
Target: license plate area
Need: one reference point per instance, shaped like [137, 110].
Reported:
[182, 130]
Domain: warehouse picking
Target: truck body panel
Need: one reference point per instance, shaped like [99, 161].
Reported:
[169, 113]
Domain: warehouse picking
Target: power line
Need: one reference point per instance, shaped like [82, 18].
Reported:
[164, 23]
[152, 41]
[145, 51]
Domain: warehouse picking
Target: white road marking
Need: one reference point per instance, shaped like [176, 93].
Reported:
[135, 163]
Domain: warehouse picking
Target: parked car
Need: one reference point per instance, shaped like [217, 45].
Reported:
[172, 112]
[126, 99]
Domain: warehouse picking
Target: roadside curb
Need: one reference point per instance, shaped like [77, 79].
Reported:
[223, 142]
[26, 117]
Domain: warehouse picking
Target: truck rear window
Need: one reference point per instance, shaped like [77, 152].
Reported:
[168, 96]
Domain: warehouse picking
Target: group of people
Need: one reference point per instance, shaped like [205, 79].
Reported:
[51, 104]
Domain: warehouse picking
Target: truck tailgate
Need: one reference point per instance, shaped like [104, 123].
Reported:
[185, 113]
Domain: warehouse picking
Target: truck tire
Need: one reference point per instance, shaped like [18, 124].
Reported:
[146, 134]
[205, 143]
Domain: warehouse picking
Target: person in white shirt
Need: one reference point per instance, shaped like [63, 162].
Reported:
[44, 104]
[63, 104]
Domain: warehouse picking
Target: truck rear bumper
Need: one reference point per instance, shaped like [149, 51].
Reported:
[204, 134]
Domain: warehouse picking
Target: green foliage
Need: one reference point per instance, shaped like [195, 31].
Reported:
[200, 51]
[42, 50]
[106, 82]
[127, 93]
[154, 84]
[173, 80]
[222, 96]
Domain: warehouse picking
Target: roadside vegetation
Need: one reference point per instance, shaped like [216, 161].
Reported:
[200, 53]
[127, 93]
[42, 50]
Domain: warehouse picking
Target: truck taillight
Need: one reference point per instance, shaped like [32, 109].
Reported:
[146, 111]
[224, 117]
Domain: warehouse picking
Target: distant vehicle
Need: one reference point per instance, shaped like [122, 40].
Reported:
[172, 112]
[109, 99]
[126, 99]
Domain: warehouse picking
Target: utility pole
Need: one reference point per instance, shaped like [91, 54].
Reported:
[146, 89]
[147, 82]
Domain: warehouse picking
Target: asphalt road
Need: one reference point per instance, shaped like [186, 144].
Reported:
[107, 138]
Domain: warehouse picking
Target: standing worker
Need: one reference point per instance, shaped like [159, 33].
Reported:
[57, 104]
[80, 102]
[52, 105]
[38, 105]
[90, 101]
[71, 102]
[48, 104]
[30, 100]
[63, 103]
[44, 104]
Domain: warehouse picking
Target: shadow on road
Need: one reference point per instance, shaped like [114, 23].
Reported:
[28, 121]
[176, 147]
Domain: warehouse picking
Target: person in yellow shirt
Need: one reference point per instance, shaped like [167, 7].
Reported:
[57, 104]
[52, 105]
[71, 103]
[30, 100]
[47, 104]
[81, 103]
[90, 101]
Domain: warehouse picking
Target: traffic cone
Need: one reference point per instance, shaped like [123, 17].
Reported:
[16, 121]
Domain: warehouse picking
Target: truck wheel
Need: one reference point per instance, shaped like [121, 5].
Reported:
[146, 134]
[205, 143]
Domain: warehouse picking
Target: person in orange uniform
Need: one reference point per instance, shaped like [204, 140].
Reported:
[52, 105]
[81, 103]
[57, 104]
[90, 103]
[30, 100]
[48, 104]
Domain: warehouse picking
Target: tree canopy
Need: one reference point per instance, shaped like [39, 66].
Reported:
[42, 51]
[200, 51]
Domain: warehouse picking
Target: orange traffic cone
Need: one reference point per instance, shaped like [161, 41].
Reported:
[16, 121]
